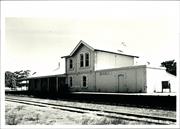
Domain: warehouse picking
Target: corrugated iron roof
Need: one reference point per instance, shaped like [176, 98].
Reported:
[101, 47]
[55, 72]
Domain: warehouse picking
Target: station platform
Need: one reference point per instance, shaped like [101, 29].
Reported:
[165, 101]
[128, 94]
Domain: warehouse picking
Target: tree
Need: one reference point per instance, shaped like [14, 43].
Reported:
[22, 74]
[170, 66]
[12, 77]
[10, 80]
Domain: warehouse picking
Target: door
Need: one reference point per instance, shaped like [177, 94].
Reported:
[122, 83]
[62, 87]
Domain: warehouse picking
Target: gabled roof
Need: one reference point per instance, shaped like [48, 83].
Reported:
[78, 45]
[97, 49]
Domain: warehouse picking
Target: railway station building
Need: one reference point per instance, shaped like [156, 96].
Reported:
[88, 69]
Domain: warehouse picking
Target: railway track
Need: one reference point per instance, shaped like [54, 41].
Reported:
[107, 113]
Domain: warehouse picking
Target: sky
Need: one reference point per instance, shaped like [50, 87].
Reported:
[38, 33]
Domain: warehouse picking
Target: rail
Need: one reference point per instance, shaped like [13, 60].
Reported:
[107, 113]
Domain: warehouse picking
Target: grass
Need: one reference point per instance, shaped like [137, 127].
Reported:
[19, 114]
[12, 117]
[16, 114]
[94, 120]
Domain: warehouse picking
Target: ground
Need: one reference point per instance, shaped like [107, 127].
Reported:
[22, 114]
[27, 115]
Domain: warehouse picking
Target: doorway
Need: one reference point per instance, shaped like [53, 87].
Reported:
[122, 87]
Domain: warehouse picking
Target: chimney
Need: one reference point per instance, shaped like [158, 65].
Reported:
[57, 67]
[58, 64]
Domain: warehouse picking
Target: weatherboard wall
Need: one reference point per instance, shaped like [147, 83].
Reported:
[104, 60]
[155, 76]
[122, 80]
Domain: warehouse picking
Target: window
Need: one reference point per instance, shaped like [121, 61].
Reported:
[70, 63]
[70, 81]
[81, 60]
[84, 81]
[86, 59]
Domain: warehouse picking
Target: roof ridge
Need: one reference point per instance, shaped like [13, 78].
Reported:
[97, 49]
